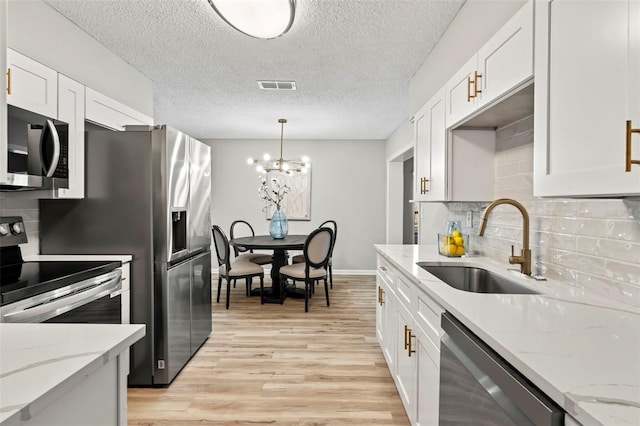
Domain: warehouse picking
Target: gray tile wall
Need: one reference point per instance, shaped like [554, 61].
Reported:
[590, 244]
[30, 213]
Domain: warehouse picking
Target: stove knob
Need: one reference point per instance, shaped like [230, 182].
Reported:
[16, 228]
[4, 229]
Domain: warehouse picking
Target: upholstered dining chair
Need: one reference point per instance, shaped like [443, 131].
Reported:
[242, 228]
[316, 251]
[233, 270]
[334, 226]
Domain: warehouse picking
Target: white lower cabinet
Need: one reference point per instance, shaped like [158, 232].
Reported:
[405, 364]
[385, 316]
[408, 330]
[427, 360]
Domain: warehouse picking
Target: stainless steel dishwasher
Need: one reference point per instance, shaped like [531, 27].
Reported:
[478, 387]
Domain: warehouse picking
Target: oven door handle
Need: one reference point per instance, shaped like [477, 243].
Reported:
[102, 286]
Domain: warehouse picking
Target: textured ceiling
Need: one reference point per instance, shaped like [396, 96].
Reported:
[351, 60]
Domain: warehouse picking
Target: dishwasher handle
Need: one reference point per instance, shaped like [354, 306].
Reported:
[49, 307]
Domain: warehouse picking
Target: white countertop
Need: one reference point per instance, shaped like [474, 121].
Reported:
[581, 349]
[41, 362]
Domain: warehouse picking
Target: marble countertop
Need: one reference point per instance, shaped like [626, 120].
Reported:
[581, 349]
[41, 362]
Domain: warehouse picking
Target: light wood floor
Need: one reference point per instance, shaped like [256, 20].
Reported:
[276, 364]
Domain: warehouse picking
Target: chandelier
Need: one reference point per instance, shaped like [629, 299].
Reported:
[299, 165]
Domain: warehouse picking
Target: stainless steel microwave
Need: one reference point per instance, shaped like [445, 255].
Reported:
[38, 148]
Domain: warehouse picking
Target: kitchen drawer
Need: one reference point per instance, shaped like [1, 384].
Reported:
[427, 316]
[405, 292]
[386, 272]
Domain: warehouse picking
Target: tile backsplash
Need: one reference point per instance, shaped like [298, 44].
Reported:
[30, 213]
[592, 244]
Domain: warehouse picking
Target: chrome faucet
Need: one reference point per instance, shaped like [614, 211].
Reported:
[525, 256]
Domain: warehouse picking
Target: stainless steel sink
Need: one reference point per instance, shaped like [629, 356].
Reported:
[475, 280]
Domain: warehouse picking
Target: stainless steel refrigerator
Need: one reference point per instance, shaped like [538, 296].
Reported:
[148, 193]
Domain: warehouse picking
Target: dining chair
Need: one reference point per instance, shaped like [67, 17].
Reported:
[300, 258]
[316, 251]
[242, 228]
[233, 270]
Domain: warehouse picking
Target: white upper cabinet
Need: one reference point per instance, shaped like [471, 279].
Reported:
[462, 92]
[71, 111]
[430, 151]
[106, 112]
[503, 64]
[453, 165]
[31, 85]
[506, 60]
[586, 91]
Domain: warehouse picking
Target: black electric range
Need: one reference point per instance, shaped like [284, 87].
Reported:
[20, 280]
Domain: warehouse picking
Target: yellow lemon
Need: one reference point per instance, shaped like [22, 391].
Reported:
[446, 239]
[453, 249]
[459, 241]
[456, 233]
[460, 250]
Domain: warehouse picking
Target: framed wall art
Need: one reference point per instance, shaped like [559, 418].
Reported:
[296, 204]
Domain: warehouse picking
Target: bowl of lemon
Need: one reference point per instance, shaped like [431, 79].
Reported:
[454, 244]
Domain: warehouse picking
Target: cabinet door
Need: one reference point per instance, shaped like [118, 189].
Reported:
[71, 110]
[200, 300]
[506, 60]
[31, 85]
[385, 322]
[587, 63]
[405, 362]
[460, 92]
[430, 159]
[106, 112]
[427, 379]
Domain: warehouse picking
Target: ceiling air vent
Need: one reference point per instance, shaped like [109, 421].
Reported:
[277, 85]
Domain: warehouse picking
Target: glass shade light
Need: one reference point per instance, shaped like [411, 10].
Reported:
[298, 165]
[264, 19]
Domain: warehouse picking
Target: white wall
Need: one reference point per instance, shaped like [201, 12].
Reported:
[38, 31]
[347, 185]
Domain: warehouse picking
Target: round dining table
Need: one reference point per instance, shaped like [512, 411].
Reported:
[278, 291]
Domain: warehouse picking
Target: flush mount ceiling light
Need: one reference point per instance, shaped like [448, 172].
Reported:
[299, 165]
[257, 18]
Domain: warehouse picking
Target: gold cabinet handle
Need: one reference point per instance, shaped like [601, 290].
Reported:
[383, 268]
[475, 84]
[8, 81]
[409, 348]
[424, 185]
[380, 296]
[469, 95]
[628, 159]
[407, 331]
